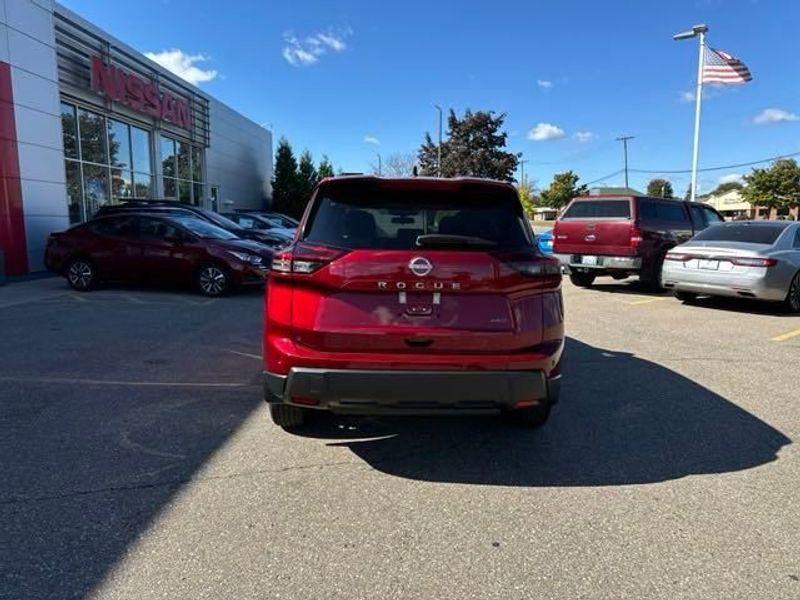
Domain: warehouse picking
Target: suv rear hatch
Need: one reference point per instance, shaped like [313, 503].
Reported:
[412, 266]
[597, 226]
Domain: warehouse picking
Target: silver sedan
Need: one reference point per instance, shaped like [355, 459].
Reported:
[745, 259]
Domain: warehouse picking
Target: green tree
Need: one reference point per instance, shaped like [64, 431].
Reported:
[727, 187]
[660, 188]
[307, 179]
[285, 178]
[474, 146]
[563, 188]
[525, 191]
[325, 168]
[776, 186]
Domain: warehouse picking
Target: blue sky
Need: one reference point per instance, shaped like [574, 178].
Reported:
[330, 74]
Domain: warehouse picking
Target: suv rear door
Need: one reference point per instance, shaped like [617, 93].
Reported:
[385, 269]
[600, 226]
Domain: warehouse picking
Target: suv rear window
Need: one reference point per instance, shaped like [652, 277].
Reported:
[750, 233]
[599, 209]
[394, 220]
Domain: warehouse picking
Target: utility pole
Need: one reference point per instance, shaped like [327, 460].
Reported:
[624, 139]
[439, 152]
[380, 165]
[522, 171]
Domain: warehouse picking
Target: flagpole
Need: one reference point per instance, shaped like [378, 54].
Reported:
[697, 107]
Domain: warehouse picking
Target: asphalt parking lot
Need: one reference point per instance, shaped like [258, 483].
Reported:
[138, 461]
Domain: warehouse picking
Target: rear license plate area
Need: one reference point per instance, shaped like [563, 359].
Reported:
[708, 265]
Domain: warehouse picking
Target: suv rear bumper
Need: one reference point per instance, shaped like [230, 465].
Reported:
[622, 263]
[410, 392]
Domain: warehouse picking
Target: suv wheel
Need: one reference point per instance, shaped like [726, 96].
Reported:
[81, 275]
[285, 416]
[792, 301]
[212, 280]
[582, 279]
[531, 416]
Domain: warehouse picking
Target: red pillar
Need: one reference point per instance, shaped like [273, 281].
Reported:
[12, 223]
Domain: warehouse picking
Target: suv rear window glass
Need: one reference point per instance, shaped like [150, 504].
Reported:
[599, 209]
[394, 220]
[750, 233]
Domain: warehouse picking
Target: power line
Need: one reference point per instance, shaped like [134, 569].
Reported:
[609, 176]
[722, 168]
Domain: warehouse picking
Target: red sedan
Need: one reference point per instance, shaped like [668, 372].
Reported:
[157, 249]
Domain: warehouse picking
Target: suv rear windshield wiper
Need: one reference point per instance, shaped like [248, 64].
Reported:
[439, 240]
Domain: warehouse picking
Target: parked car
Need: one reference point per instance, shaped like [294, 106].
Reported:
[622, 236]
[744, 259]
[544, 241]
[174, 207]
[279, 219]
[156, 248]
[256, 222]
[413, 296]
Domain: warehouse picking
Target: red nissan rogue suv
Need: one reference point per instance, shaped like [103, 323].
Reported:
[413, 296]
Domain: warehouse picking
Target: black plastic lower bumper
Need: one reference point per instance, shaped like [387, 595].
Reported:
[409, 392]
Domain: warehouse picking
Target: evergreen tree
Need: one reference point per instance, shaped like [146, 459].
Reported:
[475, 146]
[325, 168]
[307, 179]
[284, 181]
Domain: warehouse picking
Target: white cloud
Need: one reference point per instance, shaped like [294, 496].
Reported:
[774, 115]
[371, 139]
[544, 84]
[545, 131]
[687, 96]
[731, 178]
[583, 136]
[183, 65]
[307, 51]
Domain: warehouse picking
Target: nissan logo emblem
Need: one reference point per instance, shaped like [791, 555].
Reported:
[420, 266]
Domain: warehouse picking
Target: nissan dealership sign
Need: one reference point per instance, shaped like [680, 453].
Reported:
[139, 94]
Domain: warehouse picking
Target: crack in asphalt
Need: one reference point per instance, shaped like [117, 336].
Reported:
[171, 482]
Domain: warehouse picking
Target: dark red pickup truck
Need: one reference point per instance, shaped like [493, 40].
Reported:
[621, 236]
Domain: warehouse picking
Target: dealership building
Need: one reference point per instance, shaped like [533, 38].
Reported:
[86, 120]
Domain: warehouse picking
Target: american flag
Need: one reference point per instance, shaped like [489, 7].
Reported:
[721, 67]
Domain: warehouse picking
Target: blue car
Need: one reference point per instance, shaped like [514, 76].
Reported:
[545, 241]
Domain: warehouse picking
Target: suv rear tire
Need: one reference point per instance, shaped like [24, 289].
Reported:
[582, 279]
[287, 417]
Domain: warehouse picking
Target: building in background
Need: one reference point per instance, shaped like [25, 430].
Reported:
[86, 120]
[730, 204]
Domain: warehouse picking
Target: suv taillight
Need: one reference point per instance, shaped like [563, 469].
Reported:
[304, 258]
[531, 263]
[636, 237]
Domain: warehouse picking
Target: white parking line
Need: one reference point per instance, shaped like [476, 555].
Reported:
[646, 301]
[66, 380]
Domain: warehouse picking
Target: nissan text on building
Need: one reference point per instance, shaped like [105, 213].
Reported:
[85, 120]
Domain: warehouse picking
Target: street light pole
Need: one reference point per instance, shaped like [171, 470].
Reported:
[439, 151]
[624, 139]
[696, 31]
[380, 165]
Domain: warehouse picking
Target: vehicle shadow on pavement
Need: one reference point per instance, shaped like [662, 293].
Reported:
[630, 286]
[105, 419]
[621, 420]
[742, 305]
